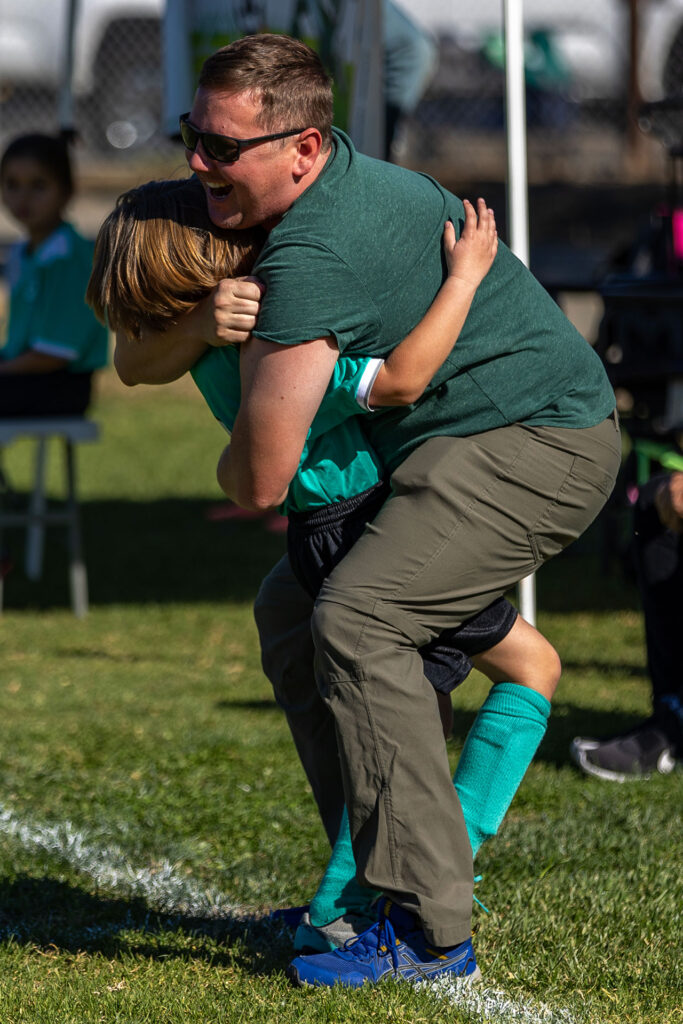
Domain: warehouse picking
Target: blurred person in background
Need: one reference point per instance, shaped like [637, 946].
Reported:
[410, 59]
[54, 342]
[656, 744]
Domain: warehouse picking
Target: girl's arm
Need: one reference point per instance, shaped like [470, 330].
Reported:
[225, 317]
[411, 365]
[155, 358]
[32, 362]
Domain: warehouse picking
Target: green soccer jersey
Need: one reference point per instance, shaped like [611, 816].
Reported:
[363, 244]
[48, 312]
[337, 461]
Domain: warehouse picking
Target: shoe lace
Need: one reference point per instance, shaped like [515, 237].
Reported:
[379, 938]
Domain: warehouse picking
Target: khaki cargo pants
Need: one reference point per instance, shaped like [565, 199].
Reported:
[467, 519]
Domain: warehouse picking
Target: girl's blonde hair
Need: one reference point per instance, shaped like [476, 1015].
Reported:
[157, 254]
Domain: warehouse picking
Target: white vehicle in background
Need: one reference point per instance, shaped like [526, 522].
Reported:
[117, 63]
[661, 54]
[591, 37]
[116, 60]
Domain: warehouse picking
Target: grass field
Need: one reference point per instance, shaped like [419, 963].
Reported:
[152, 808]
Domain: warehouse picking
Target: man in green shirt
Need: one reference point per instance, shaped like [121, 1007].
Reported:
[507, 457]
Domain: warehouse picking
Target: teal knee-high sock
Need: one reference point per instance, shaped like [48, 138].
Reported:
[339, 893]
[497, 752]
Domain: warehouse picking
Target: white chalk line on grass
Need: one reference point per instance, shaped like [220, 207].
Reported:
[168, 892]
[162, 888]
[493, 1005]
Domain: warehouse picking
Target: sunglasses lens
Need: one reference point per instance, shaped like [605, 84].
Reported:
[188, 135]
[221, 148]
[218, 147]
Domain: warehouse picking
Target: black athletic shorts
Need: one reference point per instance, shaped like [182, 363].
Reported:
[318, 540]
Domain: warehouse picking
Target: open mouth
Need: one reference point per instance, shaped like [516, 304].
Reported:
[217, 190]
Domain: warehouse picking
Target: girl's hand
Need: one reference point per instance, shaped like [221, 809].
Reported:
[470, 258]
[231, 309]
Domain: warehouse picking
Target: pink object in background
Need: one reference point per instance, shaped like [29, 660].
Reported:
[677, 233]
[226, 510]
[272, 521]
[275, 523]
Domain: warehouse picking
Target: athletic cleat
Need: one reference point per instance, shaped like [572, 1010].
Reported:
[632, 755]
[323, 938]
[378, 954]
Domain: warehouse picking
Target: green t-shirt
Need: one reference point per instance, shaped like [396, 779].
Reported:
[47, 311]
[359, 257]
[337, 461]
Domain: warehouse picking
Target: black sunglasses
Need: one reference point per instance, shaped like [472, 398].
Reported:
[223, 148]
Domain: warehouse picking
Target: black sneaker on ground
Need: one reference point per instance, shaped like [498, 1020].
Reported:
[636, 754]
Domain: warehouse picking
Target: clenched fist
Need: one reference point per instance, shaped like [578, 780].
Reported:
[230, 311]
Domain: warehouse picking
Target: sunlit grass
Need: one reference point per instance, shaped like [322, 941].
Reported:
[146, 735]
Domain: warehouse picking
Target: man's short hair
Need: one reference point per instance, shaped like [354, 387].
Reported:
[285, 75]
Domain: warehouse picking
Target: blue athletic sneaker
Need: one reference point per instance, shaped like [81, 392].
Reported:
[380, 953]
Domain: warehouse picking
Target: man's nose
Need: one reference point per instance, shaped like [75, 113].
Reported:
[197, 159]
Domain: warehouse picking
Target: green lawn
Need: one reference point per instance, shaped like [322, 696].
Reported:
[152, 807]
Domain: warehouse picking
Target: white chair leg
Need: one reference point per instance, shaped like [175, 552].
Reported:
[35, 533]
[3, 494]
[78, 578]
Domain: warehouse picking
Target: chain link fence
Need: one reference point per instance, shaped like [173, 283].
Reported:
[584, 87]
[604, 87]
[590, 69]
[118, 83]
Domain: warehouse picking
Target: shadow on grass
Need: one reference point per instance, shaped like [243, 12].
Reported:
[165, 551]
[264, 704]
[615, 668]
[60, 917]
[566, 721]
[123, 658]
[169, 551]
[578, 581]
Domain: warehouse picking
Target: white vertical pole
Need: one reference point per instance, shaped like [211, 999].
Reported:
[515, 109]
[65, 99]
[517, 190]
[179, 84]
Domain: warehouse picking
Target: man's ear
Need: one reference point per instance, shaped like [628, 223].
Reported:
[308, 147]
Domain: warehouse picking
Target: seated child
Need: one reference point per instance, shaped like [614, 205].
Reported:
[54, 343]
[339, 486]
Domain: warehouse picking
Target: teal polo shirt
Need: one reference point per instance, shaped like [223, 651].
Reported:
[48, 312]
[337, 461]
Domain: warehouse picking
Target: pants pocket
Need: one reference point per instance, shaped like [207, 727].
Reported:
[577, 504]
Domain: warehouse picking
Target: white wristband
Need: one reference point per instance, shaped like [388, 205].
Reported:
[366, 383]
